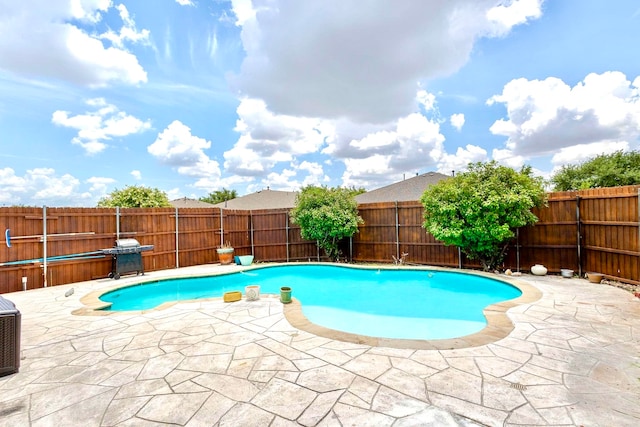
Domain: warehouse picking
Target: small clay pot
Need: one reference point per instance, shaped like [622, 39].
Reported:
[595, 277]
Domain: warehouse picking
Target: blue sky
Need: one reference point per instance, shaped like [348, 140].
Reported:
[195, 96]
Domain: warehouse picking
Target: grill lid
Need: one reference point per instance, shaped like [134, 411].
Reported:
[127, 246]
[127, 243]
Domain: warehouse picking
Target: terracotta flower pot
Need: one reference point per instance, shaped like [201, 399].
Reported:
[595, 277]
[225, 255]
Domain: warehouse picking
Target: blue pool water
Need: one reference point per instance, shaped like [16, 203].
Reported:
[407, 304]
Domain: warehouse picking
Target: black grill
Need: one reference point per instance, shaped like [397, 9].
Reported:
[126, 257]
[9, 338]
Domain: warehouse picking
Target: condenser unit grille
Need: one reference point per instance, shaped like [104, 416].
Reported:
[9, 338]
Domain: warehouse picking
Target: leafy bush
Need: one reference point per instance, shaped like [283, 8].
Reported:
[605, 170]
[219, 196]
[479, 210]
[326, 215]
[135, 196]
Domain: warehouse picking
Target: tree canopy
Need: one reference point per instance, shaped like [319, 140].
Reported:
[479, 210]
[326, 215]
[134, 196]
[606, 170]
[219, 196]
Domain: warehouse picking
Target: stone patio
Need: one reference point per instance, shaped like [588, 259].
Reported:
[573, 359]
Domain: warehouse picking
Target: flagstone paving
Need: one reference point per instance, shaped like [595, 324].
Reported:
[573, 359]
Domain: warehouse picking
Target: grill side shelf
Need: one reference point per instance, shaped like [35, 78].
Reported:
[126, 250]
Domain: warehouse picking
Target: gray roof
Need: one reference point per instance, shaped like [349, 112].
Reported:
[186, 202]
[404, 191]
[263, 199]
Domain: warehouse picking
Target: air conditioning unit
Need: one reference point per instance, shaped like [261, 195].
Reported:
[9, 338]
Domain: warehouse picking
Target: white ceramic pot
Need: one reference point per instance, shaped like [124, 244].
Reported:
[252, 292]
[566, 273]
[538, 270]
[246, 259]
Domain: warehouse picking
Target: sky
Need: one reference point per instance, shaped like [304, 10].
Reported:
[193, 96]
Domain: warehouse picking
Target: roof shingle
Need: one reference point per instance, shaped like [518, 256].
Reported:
[264, 199]
[404, 191]
[186, 202]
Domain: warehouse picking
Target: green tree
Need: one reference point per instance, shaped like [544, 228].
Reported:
[326, 215]
[135, 196]
[219, 196]
[605, 170]
[479, 210]
[356, 190]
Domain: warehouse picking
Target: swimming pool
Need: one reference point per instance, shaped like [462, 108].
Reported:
[389, 303]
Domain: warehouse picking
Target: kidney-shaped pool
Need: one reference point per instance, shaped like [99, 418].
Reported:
[388, 303]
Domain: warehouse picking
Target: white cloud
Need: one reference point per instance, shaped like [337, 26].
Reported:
[508, 15]
[99, 185]
[41, 186]
[581, 152]
[380, 156]
[459, 161]
[337, 59]
[39, 39]
[243, 9]
[177, 147]
[136, 174]
[457, 121]
[372, 154]
[547, 116]
[426, 100]
[267, 139]
[508, 158]
[185, 2]
[128, 32]
[292, 178]
[96, 127]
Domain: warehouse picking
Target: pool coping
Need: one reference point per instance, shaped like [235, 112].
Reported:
[499, 325]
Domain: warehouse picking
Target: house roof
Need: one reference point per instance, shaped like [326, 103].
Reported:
[186, 202]
[406, 190]
[263, 199]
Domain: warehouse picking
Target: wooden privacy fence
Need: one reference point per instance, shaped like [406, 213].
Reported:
[591, 230]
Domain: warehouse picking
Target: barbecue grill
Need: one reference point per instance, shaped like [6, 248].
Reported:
[126, 257]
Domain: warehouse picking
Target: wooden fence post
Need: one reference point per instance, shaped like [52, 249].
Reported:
[221, 229]
[350, 248]
[44, 243]
[397, 233]
[251, 226]
[518, 249]
[177, 241]
[286, 228]
[579, 235]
